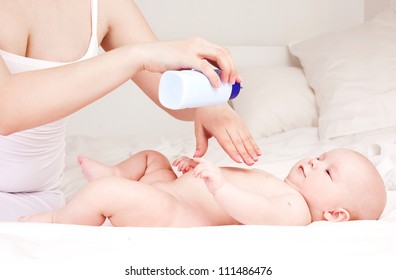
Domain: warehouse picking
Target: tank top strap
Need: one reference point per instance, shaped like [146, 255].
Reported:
[93, 47]
[94, 17]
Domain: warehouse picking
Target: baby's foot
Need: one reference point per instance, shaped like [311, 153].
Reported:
[93, 170]
[40, 218]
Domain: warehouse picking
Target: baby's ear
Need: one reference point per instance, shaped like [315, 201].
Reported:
[337, 215]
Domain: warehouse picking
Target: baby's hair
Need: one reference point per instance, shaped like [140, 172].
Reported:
[371, 195]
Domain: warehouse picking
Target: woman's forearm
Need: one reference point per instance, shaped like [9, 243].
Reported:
[148, 82]
[35, 98]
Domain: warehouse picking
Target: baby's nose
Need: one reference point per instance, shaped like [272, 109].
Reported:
[314, 162]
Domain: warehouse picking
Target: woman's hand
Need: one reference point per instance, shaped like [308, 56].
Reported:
[195, 53]
[224, 124]
[220, 122]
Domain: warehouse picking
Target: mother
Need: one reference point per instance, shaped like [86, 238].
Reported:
[49, 68]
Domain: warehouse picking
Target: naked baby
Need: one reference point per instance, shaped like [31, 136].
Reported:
[143, 190]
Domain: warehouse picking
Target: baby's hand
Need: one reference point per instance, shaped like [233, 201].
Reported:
[210, 173]
[184, 164]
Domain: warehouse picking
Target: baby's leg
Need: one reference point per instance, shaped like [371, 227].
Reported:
[93, 169]
[80, 210]
[146, 166]
[124, 202]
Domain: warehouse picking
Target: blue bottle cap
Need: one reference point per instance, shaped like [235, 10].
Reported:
[236, 88]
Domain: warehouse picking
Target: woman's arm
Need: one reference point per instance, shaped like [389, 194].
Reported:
[34, 98]
[121, 14]
[221, 121]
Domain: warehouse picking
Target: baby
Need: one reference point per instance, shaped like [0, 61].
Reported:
[143, 190]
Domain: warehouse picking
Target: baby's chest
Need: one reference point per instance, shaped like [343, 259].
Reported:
[258, 181]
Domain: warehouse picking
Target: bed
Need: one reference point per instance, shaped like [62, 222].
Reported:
[310, 85]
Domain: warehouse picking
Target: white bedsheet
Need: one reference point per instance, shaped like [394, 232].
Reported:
[352, 250]
[355, 250]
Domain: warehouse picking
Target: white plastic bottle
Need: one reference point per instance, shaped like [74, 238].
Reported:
[190, 89]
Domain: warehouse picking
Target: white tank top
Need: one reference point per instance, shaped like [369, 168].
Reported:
[33, 160]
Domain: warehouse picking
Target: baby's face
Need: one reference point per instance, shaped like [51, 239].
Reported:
[327, 181]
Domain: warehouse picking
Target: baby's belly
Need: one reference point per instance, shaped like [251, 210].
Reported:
[193, 193]
[189, 190]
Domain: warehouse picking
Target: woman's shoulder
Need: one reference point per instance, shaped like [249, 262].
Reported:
[121, 22]
[117, 9]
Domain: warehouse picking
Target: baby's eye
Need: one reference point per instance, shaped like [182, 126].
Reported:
[328, 173]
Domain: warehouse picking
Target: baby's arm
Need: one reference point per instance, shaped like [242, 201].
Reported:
[185, 164]
[247, 207]
[210, 173]
[204, 169]
[244, 206]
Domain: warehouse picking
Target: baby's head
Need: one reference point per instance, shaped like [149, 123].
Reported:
[340, 185]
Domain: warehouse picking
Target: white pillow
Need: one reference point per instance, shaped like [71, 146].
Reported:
[353, 74]
[275, 99]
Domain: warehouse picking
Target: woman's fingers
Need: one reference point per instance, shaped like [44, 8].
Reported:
[225, 125]
[195, 53]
